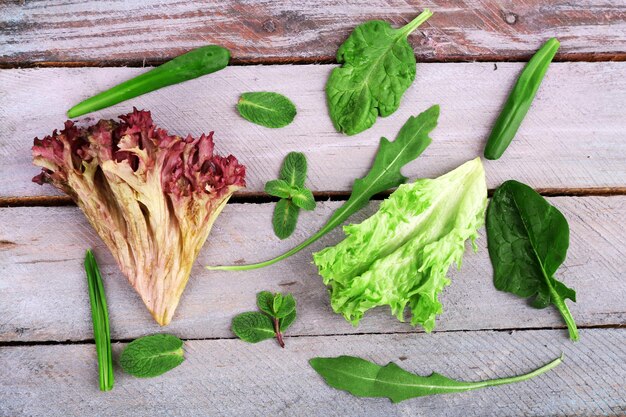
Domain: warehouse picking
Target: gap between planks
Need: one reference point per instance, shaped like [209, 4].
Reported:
[288, 336]
[262, 198]
[141, 63]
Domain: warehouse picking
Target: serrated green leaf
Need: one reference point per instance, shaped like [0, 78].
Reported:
[285, 218]
[378, 65]
[278, 188]
[293, 169]
[266, 109]
[253, 327]
[265, 302]
[152, 356]
[288, 304]
[286, 321]
[303, 198]
[527, 240]
[366, 379]
[385, 173]
[278, 302]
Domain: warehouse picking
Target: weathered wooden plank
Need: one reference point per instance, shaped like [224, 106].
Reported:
[290, 31]
[572, 137]
[229, 377]
[43, 294]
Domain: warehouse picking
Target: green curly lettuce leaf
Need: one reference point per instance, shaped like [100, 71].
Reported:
[400, 256]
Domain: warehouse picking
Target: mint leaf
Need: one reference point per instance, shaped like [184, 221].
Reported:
[303, 198]
[287, 305]
[266, 109]
[265, 302]
[294, 169]
[278, 188]
[285, 218]
[152, 356]
[378, 65]
[253, 327]
[286, 321]
[278, 301]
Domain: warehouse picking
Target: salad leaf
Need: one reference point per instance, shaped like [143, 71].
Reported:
[366, 379]
[378, 65]
[528, 240]
[153, 355]
[400, 256]
[385, 173]
[152, 197]
[266, 109]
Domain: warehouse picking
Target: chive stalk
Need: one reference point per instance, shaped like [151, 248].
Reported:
[100, 316]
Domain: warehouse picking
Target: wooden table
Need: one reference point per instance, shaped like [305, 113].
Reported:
[571, 147]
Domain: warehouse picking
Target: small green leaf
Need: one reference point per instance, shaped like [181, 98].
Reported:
[153, 355]
[253, 327]
[278, 302]
[288, 304]
[278, 188]
[285, 218]
[294, 169]
[266, 109]
[286, 321]
[303, 198]
[265, 302]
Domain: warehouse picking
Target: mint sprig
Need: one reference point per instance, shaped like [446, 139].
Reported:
[292, 193]
[278, 312]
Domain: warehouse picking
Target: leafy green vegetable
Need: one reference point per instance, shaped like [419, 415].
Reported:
[400, 256]
[528, 240]
[519, 100]
[266, 109]
[253, 327]
[280, 313]
[100, 317]
[193, 64]
[151, 356]
[378, 65]
[292, 193]
[366, 379]
[384, 174]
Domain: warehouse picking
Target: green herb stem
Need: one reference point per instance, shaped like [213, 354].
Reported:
[100, 316]
[415, 23]
[193, 64]
[567, 315]
[279, 335]
[520, 100]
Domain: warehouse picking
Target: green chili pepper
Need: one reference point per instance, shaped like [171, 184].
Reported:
[519, 100]
[100, 316]
[193, 64]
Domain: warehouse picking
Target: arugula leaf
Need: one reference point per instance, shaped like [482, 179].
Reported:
[366, 379]
[253, 327]
[378, 67]
[266, 109]
[385, 173]
[528, 240]
[278, 188]
[303, 198]
[285, 218]
[153, 355]
[280, 313]
[293, 169]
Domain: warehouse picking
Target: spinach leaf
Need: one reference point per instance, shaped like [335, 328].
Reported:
[366, 379]
[528, 240]
[153, 355]
[385, 173]
[378, 67]
[266, 109]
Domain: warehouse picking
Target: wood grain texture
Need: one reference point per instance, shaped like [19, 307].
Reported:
[572, 137]
[268, 31]
[43, 294]
[229, 377]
